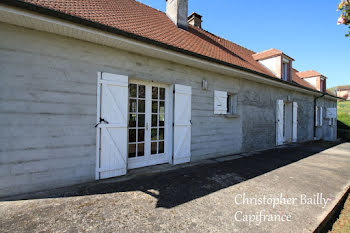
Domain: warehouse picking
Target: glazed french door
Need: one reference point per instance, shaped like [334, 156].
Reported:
[147, 124]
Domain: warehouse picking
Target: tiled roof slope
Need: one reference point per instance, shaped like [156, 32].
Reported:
[134, 17]
[267, 54]
[308, 74]
[297, 79]
[141, 20]
[345, 87]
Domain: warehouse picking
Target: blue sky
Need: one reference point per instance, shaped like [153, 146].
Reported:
[306, 30]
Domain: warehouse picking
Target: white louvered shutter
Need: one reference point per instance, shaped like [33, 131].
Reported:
[279, 122]
[316, 116]
[182, 124]
[220, 102]
[321, 116]
[295, 121]
[114, 110]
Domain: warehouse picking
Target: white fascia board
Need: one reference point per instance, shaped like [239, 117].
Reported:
[33, 20]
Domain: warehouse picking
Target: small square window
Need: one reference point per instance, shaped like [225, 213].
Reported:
[231, 104]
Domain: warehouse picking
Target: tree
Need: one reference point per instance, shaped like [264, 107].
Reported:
[344, 7]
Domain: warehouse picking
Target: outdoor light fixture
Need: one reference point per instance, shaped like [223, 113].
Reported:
[205, 85]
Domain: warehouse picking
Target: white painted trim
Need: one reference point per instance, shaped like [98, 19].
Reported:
[49, 24]
[98, 130]
[168, 143]
[182, 160]
[170, 123]
[295, 122]
[184, 121]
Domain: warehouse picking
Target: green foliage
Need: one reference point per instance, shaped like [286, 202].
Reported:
[344, 7]
[333, 90]
[344, 114]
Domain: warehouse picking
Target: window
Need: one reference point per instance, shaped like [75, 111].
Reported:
[225, 103]
[231, 104]
[285, 72]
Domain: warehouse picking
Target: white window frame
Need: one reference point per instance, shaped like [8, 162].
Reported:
[285, 71]
[232, 104]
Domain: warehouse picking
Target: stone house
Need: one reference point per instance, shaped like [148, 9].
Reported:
[91, 89]
[343, 92]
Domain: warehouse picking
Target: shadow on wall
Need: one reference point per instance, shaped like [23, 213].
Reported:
[183, 185]
[343, 131]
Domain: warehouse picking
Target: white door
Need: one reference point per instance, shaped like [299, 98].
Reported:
[148, 129]
[182, 124]
[112, 125]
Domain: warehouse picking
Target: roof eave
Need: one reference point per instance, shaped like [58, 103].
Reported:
[95, 25]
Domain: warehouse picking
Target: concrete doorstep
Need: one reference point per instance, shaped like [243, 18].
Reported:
[287, 189]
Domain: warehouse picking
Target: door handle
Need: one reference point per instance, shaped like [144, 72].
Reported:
[101, 120]
[146, 126]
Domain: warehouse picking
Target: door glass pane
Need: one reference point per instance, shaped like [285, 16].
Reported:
[154, 120]
[161, 147]
[161, 133]
[161, 119]
[137, 120]
[132, 120]
[153, 148]
[141, 135]
[132, 135]
[161, 107]
[141, 106]
[140, 149]
[154, 92]
[142, 91]
[154, 106]
[132, 150]
[132, 90]
[141, 120]
[132, 105]
[154, 134]
[162, 93]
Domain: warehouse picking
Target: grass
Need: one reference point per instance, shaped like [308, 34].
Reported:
[344, 115]
[342, 225]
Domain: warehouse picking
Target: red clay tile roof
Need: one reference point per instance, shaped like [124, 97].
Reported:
[267, 54]
[139, 19]
[343, 88]
[308, 74]
[300, 81]
[134, 17]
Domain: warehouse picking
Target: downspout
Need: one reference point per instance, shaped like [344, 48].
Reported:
[315, 101]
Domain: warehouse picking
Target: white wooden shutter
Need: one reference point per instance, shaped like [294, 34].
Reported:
[114, 110]
[220, 102]
[321, 116]
[316, 116]
[182, 124]
[279, 122]
[295, 121]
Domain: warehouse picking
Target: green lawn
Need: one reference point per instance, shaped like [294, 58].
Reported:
[344, 114]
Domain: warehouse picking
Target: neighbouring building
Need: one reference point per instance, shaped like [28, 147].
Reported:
[92, 89]
[343, 92]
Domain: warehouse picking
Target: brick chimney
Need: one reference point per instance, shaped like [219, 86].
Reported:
[195, 20]
[177, 11]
